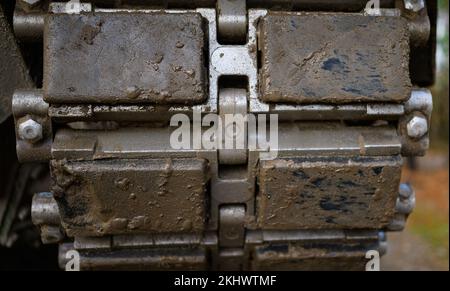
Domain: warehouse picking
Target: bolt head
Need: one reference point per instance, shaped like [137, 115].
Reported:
[405, 191]
[30, 130]
[414, 5]
[417, 127]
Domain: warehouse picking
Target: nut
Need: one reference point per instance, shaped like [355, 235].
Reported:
[405, 191]
[417, 127]
[30, 130]
[405, 206]
[414, 5]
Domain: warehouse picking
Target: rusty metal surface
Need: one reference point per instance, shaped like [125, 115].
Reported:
[13, 72]
[138, 196]
[335, 58]
[122, 58]
[328, 193]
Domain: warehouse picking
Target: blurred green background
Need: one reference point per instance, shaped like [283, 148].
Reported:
[440, 123]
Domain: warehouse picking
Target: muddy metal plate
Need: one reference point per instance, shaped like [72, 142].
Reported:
[328, 193]
[333, 58]
[124, 58]
[130, 196]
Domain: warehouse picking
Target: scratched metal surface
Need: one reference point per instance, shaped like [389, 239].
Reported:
[131, 196]
[123, 58]
[328, 193]
[334, 58]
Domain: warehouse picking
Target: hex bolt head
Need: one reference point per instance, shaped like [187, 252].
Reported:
[405, 191]
[30, 130]
[414, 5]
[417, 127]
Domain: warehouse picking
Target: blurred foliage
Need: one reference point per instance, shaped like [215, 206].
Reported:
[443, 41]
[440, 119]
[430, 218]
[443, 4]
[433, 226]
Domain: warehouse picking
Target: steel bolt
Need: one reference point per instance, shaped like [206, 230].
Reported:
[406, 200]
[30, 130]
[414, 5]
[417, 127]
[405, 191]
